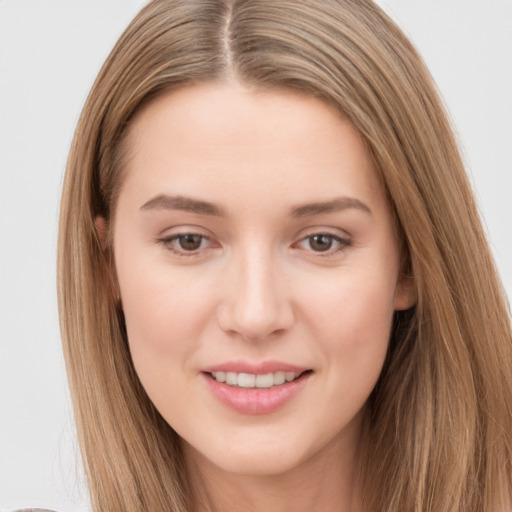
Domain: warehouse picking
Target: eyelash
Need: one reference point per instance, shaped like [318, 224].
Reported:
[168, 242]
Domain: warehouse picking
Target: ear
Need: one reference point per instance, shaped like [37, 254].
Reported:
[103, 235]
[406, 294]
[102, 230]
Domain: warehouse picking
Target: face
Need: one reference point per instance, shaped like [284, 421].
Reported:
[258, 270]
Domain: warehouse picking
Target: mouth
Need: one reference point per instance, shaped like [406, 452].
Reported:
[256, 381]
[256, 393]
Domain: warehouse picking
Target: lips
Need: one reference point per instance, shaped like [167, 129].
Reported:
[255, 388]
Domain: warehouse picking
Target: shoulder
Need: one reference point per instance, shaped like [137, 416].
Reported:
[33, 510]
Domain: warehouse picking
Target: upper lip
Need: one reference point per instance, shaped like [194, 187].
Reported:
[260, 368]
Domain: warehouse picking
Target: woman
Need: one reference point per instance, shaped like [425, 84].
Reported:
[275, 290]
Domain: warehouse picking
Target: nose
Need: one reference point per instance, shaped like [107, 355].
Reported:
[255, 302]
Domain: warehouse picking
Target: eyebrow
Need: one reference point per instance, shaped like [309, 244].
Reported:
[188, 204]
[335, 205]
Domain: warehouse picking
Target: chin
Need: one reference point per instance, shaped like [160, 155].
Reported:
[261, 464]
[261, 458]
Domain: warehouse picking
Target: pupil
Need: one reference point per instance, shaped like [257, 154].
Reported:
[321, 242]
[190, 242]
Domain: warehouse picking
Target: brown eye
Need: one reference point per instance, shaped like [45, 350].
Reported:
[190, 242]
[320, 242]
[323, 244]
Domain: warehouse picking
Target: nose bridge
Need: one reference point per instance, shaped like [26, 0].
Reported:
[257, 303]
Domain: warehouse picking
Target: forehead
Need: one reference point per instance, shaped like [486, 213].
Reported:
[220, 138]
[229, 113]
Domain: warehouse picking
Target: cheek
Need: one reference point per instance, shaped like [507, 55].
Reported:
[355, 347]
[166, 315]
[166, 310]
[352, 321]
[359, 302]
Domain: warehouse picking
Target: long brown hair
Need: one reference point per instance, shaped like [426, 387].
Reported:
[441, 414]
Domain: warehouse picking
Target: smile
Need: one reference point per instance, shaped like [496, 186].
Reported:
[250, 380]
[256, 393]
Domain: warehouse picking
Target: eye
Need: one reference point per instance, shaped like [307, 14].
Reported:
[185, 244]
[320, 243]
[189, 242]
[323, 243]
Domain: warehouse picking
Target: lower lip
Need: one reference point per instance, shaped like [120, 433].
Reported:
[256, 400]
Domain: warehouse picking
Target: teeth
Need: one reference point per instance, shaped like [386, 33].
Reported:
[249, 380]
[265, 381]
[232, 379]
[246, 380]
[289, 376]
[279, 378]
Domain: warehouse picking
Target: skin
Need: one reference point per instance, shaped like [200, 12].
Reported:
[257, 286]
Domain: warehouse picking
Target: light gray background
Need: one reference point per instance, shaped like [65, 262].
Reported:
[50, 52]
